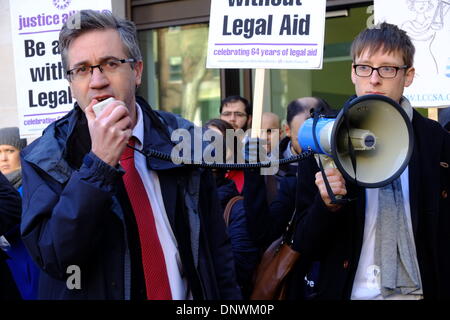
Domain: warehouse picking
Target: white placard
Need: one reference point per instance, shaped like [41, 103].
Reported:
[268, 34]
[43, 93]
[428, 25]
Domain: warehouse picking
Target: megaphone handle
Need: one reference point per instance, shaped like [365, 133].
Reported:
[329, 163]
[335, 199]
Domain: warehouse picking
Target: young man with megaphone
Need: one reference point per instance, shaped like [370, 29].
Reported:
[388, 237]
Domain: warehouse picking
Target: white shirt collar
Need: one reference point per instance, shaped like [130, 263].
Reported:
[138, 130]
[406, 105]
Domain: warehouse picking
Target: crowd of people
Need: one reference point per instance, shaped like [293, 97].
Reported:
[85, 194]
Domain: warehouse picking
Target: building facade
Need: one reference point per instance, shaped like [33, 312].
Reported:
[173, 35]
[174, 38]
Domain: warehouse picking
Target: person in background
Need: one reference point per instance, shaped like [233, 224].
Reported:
[270, 137]
[267, 220]
[134, 227]
[270, 130]
[22, 267]
[10, 210]
[10, 147]
[298, 111]
[390, 242]
[237, 111]
[246, 253]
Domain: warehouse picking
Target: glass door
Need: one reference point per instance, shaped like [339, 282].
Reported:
[175, 77]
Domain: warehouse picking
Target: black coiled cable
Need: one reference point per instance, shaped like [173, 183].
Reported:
[229, 166]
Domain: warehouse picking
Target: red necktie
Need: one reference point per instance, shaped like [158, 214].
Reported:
[155, 273]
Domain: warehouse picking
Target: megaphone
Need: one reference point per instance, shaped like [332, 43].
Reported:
[381, 137]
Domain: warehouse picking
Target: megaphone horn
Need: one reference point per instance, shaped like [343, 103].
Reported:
[381, 140]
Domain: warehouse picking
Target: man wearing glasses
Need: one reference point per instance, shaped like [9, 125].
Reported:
[237, 111]
[134, 227]
[390, 242]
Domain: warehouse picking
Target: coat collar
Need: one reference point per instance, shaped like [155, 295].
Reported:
[50, 150]
[57, 151]
[156, 137]
[424, 167]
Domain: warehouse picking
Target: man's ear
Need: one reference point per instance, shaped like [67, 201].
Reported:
[353, 75]
[410, 73]
[138, 67]
[249, 121]
[287, 130]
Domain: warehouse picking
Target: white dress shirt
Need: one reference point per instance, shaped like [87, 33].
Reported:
[178, 283]
[366, 285]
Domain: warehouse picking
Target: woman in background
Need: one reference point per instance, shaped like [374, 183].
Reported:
[23, 269]
[246, 254]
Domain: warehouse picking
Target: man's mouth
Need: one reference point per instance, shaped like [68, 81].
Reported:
[102, 98]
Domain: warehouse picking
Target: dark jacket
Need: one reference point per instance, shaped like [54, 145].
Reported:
[23, 269]
[273, 182]
[335, 238]
[10, 211]
[288, 168]
[267, 222]
[77, 212]
[246, 253]
[11, 205]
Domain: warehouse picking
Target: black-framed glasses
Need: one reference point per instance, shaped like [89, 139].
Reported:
[386, 72]
[108, 66]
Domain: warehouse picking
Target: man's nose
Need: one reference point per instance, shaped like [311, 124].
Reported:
[98, 79]
[375, 77]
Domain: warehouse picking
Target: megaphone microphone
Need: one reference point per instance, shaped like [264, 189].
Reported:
[370, 141]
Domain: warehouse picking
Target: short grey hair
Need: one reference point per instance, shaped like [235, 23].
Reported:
[88, 20]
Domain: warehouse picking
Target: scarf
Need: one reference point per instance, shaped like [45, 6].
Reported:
[15, 178]
[394, 248]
